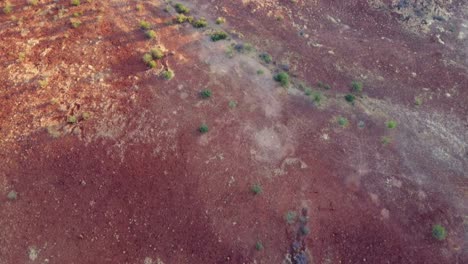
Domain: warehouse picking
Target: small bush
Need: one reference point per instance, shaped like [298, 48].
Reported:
[350, 98]
[343, 121]
[181, 18]
[282, 78]
[385, 140]
[304, 230]
[203, 129]
[75, 23]
[265, 57]
[356, 87]
[200, 23]
[12, 195]
[145, 25]
[218, 35]
[181, 9]
[308, 91]
[43, 83]
[205, 94]
[33, 2]
[220, 20]
[157, 53]
[259, 246]
[256, 189]
[139, 7]
[418, 101]
[439, 232]
[147, 58]
[8, 8]
[391, 124]
[168, 74]
[323, 85]
[290, 217]
[77, 14]
[72, 119]
[150, 34]
[152, 64]
[86, 115]
[243, 47]
[317, 97]
[232, 104]
[75, 2]
[260, 72]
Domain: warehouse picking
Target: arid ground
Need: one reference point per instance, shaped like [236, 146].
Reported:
[316, 131]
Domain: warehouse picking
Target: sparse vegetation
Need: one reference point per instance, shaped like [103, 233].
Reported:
[43, 83]
[21, 56]
[385, 140]
[260, 72]
[181, 9]
[33, 2]
[205, 94]
[256, 189]
[220, 20]
[218, 35]
[139, 7]
[86, 115]
[439, 232]
[203, 128]
[12, 195]
[232, 104]
[356, 87]
[259, 246]
[167, 74]
[290, 217]
[243, 47]
[350, 98]
[157, 53]
[418, 101]
[323, 85]
[145, 25]
[265, 57]
[317, 97]
[181, 18]
[200, 23]
[308, 91]
[75, 23]
[391, 124]
[282, 78]
[72, 119]
[77, 14]
[147, 58]
[304, 230]
[8, 8]
[75, 2]
[150, 34]
[342, 121]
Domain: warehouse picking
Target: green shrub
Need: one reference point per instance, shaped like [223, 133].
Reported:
[199, 23]
[12, 195]
[181, 18]
[304, 230]
[317, 97]
[256, 189]
[203, 129]
[418, 101]
[75, 2]
[323, 85]
[259, 246]
[168, 74]
[342, 121]
[86, 115]
[260, 72]
[77, 14]
[439, 232]
[350, 98]
[356, 87]
[157, 53]
[308, 91]
[145, 25]
[220, 20]
[218, 35]
[282, 78]
[8, 8]
[72, 119]
[290, 217]
[181, 9]
[232, 104]
[147, 58]
[152, 64]
[139, 7]
[385, 140]
[33, 2]
[205, 94]
[75, 23]
[391, 124]
[265, 57]
[150, 34]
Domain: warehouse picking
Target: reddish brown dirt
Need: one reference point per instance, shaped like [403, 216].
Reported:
[136, 182]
